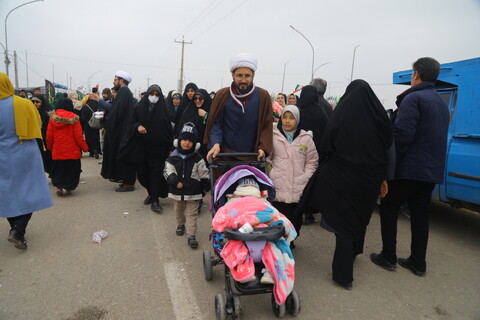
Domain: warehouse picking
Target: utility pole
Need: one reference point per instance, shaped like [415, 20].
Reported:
[180, 82]
[71, 83]
[148, 82]
[68, 88]
[26, 63]
[15, 68]
[53, 73]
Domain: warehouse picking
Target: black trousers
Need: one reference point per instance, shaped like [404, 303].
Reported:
[346, 249]
[289, 211]
[20, 223]
[418, 195]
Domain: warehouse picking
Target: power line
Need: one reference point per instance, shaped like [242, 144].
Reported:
[31, 68]
[221, 19]
[197, 18]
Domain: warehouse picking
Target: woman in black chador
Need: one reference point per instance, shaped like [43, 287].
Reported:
[43, 107]
[348, 181]
[187, 99]
[196, 113]
[154, 134]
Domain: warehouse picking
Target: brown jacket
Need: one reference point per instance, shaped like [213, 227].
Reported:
[265, 119]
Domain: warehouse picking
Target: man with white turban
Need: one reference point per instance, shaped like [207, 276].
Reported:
[240, 118]
[117, 124]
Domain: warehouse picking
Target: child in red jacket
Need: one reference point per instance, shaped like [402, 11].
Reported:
[65, 140]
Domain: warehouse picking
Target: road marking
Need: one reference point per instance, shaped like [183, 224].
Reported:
[183, 300]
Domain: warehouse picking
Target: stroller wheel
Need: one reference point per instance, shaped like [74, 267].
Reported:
[237, 306]
[207, 265]
[220, 311]
[278, 310]
[293, 303]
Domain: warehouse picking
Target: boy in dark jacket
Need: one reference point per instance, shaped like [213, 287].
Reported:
[188, 179]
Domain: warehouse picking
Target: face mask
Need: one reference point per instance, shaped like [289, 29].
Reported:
[153, 99]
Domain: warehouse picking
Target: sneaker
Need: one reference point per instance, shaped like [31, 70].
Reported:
[18, 239]
[192, 242]
[100, 161]
[180, 230]
[379, 260]
[309, 219]
[267, 277]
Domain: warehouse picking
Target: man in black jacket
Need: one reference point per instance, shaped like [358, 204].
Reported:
[420, 133]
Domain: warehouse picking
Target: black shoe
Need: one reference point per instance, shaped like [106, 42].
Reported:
[19, 239]
[124, 189]
[407, 264]
[180, 230]
[378, 259]
[192, 242]
[156, 207]
[147, 200]
[345, 285]
[292, 245]
[96, 154]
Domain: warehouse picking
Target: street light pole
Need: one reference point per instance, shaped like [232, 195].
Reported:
[321, 66]
[284, 67]
[313, 50]
[353, 62]
[7, 61]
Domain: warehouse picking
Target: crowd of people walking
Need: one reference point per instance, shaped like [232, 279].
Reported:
[334, 161]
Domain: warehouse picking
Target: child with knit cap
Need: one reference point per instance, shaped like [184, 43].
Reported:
[188, 180]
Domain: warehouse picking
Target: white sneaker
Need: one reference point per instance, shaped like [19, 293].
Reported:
[267, 277]
[100, 161]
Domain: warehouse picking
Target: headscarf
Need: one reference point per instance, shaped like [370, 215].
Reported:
[58, 96]
[154, 117]
[291, 134]
[366, 131]
[190, 114]
[27, 119]
[65, 104]
[314, 117]
[185, 101]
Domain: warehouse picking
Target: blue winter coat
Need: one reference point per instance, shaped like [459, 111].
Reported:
[420, 131]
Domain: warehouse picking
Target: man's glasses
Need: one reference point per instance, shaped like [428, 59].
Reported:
[241, 76]
[198, 98]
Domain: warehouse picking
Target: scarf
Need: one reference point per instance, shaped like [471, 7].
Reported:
[241, 99]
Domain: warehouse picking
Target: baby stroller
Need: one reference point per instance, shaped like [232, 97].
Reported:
[228, 303]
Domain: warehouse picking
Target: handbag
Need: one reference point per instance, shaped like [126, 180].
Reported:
[94, 123]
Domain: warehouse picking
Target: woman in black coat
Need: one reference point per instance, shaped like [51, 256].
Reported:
[348, 180]
[43, 107]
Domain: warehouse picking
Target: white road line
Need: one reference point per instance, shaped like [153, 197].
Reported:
[183, 300]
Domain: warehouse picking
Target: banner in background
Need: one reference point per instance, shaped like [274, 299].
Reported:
[49, 91]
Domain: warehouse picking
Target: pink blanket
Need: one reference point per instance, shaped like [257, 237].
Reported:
[276, 256]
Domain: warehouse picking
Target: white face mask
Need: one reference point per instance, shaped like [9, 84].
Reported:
[153, 99]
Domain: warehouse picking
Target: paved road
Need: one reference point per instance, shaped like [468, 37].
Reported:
[142, 270]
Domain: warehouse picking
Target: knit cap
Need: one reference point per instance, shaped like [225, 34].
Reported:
[188, 132]
[247, 181]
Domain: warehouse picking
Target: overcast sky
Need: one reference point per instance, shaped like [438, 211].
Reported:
[91, 39]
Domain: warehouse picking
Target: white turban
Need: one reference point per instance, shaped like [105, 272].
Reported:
[124, 75]
[243, 60]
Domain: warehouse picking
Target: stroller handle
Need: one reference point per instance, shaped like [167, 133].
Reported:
[233, 155]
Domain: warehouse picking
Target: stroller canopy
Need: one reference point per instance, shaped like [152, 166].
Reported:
[230, 178]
